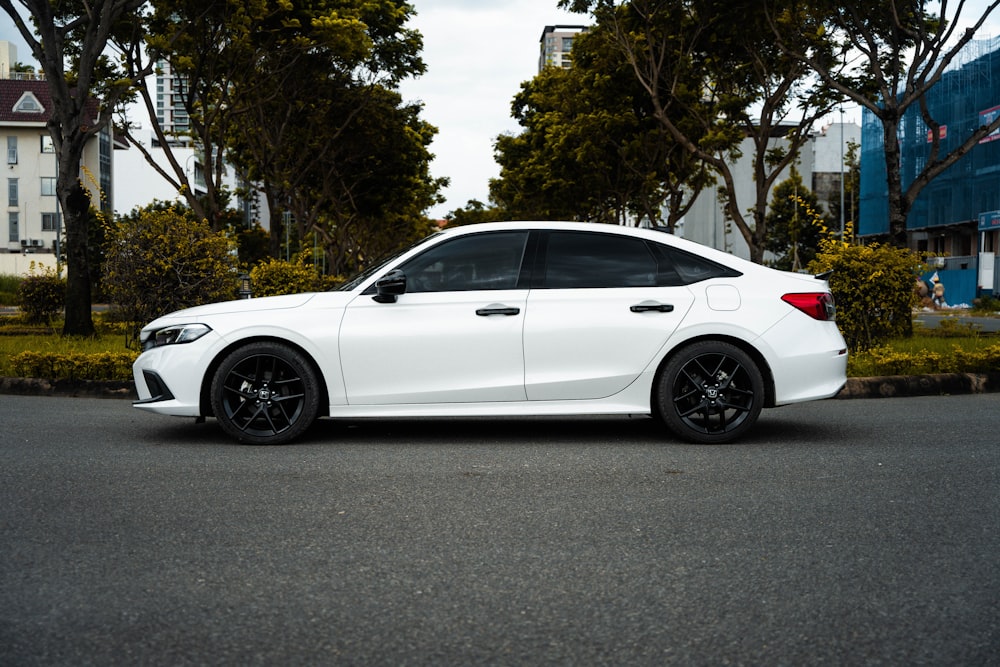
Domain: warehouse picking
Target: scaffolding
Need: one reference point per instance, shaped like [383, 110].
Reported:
[966, 97]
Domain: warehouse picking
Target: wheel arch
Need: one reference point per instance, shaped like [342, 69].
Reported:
[753, 352]
[205, 398]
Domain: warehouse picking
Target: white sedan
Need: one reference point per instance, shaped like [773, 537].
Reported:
[514, 318]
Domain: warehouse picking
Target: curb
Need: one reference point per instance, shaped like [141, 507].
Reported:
[80, 388]
[887, 386]
[938, 384]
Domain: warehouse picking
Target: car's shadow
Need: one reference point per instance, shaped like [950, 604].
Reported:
[772, 428]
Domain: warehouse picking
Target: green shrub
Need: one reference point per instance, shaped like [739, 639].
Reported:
[158, 261]
[986, 305]
[874, 289]
[41, 296]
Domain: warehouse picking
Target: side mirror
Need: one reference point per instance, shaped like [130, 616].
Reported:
[390, 286]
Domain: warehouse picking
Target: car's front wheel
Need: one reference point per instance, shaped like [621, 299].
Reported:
[265, 393]
[710, 392]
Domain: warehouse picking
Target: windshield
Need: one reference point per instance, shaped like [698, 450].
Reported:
[378, 265]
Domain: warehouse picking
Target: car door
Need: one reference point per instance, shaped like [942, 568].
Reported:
[454, 335]
[603, 308]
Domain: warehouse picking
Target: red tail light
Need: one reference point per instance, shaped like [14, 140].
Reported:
[817, 305]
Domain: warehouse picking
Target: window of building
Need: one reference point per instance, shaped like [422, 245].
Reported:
[12, 192]
[13, 233]
[11, 150]
[28, 104]
[48, 186]
[50, 222]
[47, 145]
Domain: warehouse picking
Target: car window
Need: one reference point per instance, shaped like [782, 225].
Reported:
[678, 267]
[575, 260]
[489, 261]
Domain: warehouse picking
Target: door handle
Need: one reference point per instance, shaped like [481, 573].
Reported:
[497, 310]
[652, 306]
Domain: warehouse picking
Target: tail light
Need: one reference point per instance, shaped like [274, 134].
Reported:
[817, 305]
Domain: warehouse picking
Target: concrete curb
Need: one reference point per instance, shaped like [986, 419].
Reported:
[938, 384]
[81, 388]
[888, 386]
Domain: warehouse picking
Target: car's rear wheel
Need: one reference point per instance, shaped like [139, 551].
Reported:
[710, 392]
[265, 394]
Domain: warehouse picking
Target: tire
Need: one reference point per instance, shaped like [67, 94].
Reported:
[265, 394]
[710, 392]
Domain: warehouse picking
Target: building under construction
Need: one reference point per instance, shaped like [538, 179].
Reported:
[956, 218]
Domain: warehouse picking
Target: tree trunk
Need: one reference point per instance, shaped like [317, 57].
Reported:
[898, 208]
[76, 210]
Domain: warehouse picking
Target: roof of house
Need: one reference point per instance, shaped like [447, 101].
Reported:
[13, 90]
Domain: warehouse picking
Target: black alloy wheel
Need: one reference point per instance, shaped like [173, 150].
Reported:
[710, 392]
[265, 394]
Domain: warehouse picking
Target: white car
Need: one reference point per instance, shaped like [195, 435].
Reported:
[513, 318]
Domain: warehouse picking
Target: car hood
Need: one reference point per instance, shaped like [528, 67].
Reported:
[266, 303]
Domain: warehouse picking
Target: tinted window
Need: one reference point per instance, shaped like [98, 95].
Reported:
[683, 268]
[583, 260]
[477, 262]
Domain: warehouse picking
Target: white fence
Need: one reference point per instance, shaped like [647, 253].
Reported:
[16, 264]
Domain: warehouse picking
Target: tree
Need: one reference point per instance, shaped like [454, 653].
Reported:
[714, 78]
[85, 85]
[886, 56]
[852, 190]
[794, 224]
[350, 162]
[591, 148]
[473, 213]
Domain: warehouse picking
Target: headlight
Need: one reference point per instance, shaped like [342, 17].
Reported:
[174, 335]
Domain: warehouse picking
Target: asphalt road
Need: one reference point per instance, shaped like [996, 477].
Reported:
[858, 532]
[932, 319]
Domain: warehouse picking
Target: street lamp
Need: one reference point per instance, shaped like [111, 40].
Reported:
[245, 289]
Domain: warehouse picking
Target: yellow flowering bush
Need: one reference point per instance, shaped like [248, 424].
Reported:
[159, 261]
[103, 366]
[873, 288]
[278, 276]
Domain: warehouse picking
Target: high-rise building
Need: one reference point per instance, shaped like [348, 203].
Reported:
[556, 45]
[171, 114]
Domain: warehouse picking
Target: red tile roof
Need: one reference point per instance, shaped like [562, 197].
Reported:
[11, 91]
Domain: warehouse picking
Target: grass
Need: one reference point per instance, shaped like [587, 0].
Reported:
[16, 337]
[8, 289]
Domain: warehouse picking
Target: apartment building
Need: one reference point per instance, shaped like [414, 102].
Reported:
[556, 45]
[33, 217]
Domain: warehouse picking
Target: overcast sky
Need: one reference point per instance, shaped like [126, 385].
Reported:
[477, 55]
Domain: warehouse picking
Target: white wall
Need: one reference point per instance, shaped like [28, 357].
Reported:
[16, 264]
